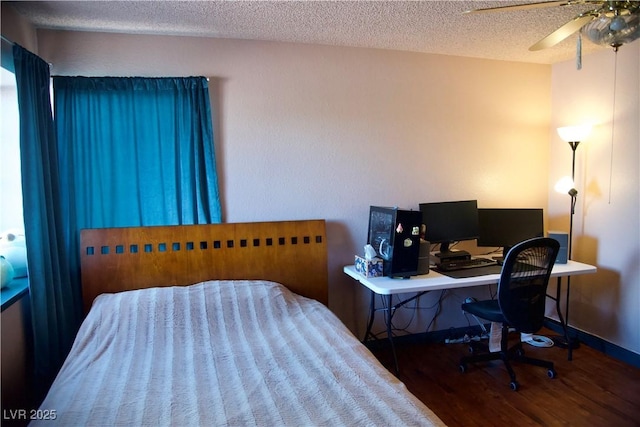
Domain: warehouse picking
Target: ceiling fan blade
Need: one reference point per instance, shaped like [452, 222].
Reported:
[527, 6]
[565, 31]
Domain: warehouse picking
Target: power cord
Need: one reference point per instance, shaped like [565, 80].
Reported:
[536, 340]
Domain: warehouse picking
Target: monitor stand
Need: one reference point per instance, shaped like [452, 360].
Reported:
[447, 254]
[500, 258]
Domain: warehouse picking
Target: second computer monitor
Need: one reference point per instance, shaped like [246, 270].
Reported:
[507, 227]
[449, 222]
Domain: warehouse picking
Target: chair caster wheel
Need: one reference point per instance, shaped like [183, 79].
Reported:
[514, 385]
[520, 352]
[551, 373]
[463, 368]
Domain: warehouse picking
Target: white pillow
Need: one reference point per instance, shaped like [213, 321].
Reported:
[6, 272]
[13, 248]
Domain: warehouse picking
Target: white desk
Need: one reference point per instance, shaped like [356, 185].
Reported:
[436, 281]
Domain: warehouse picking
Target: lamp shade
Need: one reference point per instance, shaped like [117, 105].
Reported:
[564, 185]
[574, 133]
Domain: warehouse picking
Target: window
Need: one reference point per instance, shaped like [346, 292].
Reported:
[10, 182]
[12, 243]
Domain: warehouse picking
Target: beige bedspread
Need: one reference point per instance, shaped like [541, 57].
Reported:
[224, 353]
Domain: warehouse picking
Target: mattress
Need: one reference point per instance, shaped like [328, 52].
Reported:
[224, 353]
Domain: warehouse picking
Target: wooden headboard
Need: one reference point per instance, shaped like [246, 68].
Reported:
[293, 253]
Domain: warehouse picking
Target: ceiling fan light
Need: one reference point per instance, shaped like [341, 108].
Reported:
[613, 30]
[618, 24]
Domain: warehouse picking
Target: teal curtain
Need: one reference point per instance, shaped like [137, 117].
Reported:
[55, 299]
[136, 151]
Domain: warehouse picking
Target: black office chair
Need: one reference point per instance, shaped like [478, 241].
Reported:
[521, 302]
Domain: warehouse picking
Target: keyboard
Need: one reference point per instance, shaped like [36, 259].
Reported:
[464, 264]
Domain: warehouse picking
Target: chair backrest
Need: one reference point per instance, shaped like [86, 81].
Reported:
[523, 282]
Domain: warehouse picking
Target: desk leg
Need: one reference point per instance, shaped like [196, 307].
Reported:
[372, 314]
[388, 318]
[568, 343]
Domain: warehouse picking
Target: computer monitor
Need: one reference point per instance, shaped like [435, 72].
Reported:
[449, 222]
[507, 227]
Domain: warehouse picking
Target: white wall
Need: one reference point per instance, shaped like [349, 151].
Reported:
[324, 132]
[312, 131]
[606, 92]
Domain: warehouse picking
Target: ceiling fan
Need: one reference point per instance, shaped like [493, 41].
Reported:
[611, 23]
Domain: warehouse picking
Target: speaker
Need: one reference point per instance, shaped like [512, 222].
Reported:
[563, 239]
[423, 257]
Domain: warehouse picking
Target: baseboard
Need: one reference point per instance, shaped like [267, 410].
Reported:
[597, 343]
[594, 342]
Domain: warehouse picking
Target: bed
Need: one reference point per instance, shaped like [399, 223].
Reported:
[218, 325]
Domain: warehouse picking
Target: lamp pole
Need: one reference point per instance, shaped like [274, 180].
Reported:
[573, 135]
[573, 193]
[571, 343]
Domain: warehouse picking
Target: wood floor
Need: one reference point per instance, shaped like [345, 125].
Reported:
[591, 390]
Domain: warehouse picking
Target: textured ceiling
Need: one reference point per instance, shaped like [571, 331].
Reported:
[418, 26]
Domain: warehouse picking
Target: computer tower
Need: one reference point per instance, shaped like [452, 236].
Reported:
[395, 235]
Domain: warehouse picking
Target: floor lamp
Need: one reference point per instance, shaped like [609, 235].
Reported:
[573, 135]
